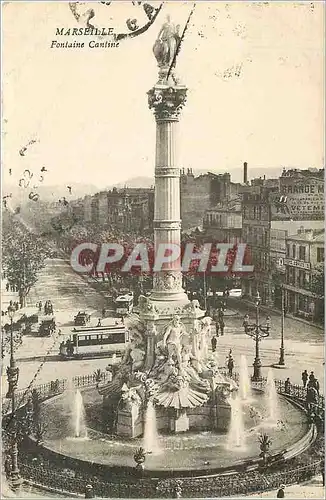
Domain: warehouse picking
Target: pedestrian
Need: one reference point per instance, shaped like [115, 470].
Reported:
[280, 493]
[7, 287]
[222, 325]
[316, 386]
[7, 466]
[287, 386]
[311, 382]
[122, 320]
[304, 378]
[40, 306]
[245, 320]
[230, 365]
[103, 312]
[214, 343]
[99, 322]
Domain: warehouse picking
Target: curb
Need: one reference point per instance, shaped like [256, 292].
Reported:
[278, 312]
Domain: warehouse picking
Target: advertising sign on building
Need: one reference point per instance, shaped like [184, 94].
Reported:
[301, 198]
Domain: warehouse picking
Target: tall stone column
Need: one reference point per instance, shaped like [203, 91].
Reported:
[167, 99]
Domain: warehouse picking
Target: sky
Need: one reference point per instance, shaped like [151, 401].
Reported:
[254, 73]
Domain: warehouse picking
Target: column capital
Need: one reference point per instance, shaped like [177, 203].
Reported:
[167, 101]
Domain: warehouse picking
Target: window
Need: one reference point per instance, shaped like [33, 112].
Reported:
[293, 252]
[307, 280]
[320, 254]
[302, 252]
[301, 279]
[291, 276]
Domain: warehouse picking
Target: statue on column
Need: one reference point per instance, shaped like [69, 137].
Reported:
[167, 43]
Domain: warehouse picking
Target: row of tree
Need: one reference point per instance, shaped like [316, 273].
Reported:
[23, 256]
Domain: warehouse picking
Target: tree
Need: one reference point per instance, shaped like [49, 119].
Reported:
[317, 287]
[24, 256]
[317, 284]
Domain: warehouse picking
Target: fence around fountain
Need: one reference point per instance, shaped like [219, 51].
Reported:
[58, 386]
[217, 486]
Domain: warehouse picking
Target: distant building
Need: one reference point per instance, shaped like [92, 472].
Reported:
[88, 208]
[224, 222]
[199, 194]
[129, 209]
[303, 252]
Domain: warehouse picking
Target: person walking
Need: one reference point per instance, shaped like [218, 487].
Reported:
[99, 322]
[304, 378]
[230, 365]
[103, 312]
[214, 343]
[311, 382]
[217, 328]
[222, 325]
[280, 493]
[287, 386]
[316, 386]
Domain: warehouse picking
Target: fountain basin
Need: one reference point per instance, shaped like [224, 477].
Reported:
[193, 453]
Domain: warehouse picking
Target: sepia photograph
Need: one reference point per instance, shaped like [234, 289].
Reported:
[162, 271]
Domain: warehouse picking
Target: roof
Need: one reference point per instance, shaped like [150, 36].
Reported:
[309, 236]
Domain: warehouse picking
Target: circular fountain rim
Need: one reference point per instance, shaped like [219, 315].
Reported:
[292, 450]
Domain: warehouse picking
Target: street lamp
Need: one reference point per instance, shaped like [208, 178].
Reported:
[205, 292]
[282, 360]
[257, 332]
[12, 375]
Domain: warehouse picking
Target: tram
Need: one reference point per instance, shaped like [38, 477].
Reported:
[96, 341]
[124, 304]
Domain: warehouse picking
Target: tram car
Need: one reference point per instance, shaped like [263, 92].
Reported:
[96, 341]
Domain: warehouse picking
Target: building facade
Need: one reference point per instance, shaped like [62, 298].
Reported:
[256, 225]
[129, 209]
[272, 210]
[201, 193]
[304, 251]
[224, 222]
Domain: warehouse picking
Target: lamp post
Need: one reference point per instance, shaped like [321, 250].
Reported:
[282, 360]
[12, 375]
[257, 332]
[205, 292]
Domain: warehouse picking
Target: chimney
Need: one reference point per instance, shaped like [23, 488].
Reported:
[245, 172]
